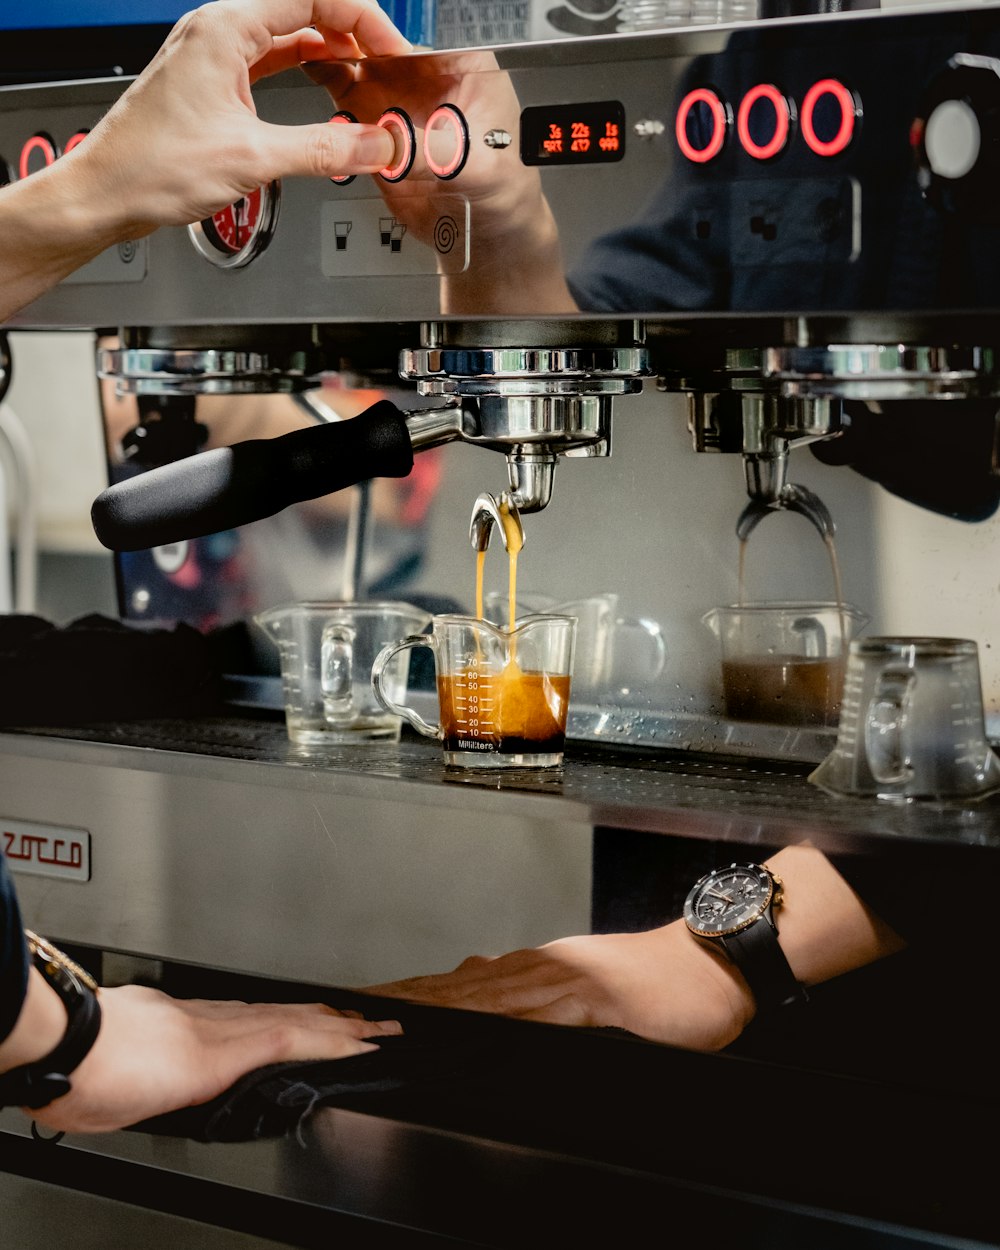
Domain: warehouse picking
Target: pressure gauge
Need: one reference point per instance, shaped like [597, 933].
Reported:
[237, 233]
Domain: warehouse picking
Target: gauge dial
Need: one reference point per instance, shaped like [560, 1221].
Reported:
[237, 233]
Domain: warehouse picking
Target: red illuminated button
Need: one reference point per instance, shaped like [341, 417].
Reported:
[699, 107]
[73, 140]
[836, 96]
[446, 141]
[341, 118]
[401, 128]
[37, 153]
[778, 128]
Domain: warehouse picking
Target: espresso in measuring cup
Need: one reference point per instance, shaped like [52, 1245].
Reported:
[509, 713]
[503, 695]
[783, 689]
[782, 663]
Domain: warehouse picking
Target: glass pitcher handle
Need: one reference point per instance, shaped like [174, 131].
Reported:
[336, 666]
[382, 662]
[647, 632]
[885, 726]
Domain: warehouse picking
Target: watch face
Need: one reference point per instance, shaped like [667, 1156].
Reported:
[728, 899]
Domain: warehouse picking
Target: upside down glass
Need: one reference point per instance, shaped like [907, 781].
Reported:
[912, 725]
[503, 695]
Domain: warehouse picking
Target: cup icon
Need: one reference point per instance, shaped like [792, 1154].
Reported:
[326, 652]
[503, 695]
[783, 662]
[912, 725]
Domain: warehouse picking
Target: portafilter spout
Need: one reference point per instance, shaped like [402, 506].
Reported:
[488, 514]
[534, 404]
[791, 498]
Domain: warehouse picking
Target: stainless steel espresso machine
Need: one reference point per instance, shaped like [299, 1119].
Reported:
[785, 233]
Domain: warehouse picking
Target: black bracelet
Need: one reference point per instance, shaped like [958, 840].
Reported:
[37, 1084]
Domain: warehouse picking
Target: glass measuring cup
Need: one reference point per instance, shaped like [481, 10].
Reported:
[912, 725]
[614, 653]
[326, 652]
[783, 661]
[503, 695]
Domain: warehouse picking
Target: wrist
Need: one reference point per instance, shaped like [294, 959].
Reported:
[37, 1068]
[715, 969]
[40, 1025]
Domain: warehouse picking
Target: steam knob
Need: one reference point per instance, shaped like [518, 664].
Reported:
[956, 138]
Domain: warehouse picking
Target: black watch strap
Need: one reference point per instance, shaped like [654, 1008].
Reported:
[37, 1084]
[758, 955]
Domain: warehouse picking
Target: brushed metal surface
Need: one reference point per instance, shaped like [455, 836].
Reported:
[218, 843]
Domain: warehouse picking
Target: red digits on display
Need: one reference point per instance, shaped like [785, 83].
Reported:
[554, 143]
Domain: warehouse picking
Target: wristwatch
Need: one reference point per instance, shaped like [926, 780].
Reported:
[43, 1081]
[734, 908]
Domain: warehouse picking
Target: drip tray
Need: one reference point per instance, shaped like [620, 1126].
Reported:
[616, 726]
[721, 793]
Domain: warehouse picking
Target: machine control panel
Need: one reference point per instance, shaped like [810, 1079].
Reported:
[758, 168]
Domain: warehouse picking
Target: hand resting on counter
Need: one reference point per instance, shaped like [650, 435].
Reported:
[156, 1054]
[664, 984]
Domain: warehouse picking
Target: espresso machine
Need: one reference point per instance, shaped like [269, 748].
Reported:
[780, 234]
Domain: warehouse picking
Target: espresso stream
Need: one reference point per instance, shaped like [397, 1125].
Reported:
[528, 708]
[787, 689]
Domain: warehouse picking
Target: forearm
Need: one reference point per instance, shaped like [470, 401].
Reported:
[50, 225]
[666, 984]
[824, 928]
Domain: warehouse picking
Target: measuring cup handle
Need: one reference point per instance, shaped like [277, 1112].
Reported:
[650, 631]
[382, 662]
[885, 726]
[336, 668]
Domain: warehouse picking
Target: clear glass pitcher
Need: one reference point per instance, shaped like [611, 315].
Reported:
[503, 695]
[783, 661]
[326, 652]
[912, 725]
[614, 654]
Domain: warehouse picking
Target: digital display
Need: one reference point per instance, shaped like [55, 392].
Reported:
[573, 134]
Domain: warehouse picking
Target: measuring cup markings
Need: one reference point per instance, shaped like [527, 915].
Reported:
[912, 726]
[473, 684]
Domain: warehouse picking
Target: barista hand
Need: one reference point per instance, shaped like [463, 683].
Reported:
[665, 984]
[659, 984]
[515, 258]
[185, 140]
[156, 1054]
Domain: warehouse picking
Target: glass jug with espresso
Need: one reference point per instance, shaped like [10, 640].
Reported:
[783, 662]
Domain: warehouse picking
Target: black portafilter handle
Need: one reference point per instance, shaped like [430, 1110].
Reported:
[229, 486]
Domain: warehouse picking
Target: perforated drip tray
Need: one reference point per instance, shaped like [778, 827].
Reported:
[637, 787]
[619, 725]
